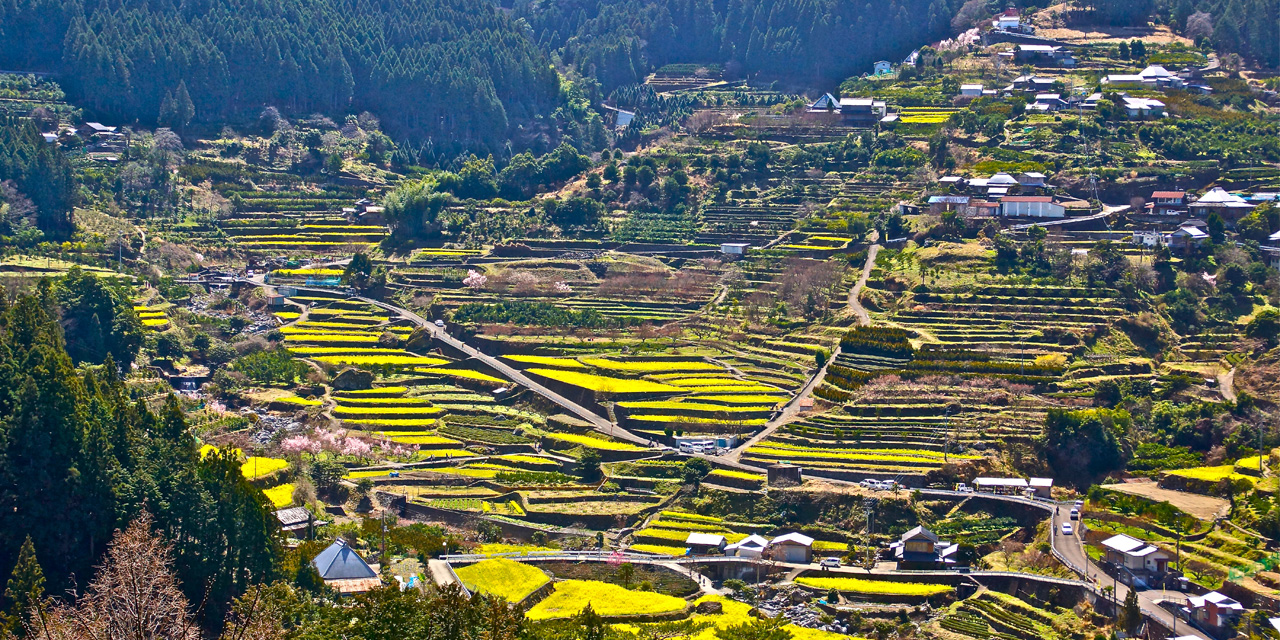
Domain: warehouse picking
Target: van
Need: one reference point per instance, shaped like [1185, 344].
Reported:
[686, 447]
[830, 563]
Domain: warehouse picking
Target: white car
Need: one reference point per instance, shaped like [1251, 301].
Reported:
[1075, 513]
[440, 323]
[1066, 529]
[833, 563]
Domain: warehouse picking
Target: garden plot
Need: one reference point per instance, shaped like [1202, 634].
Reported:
[1010, 321]
[993, 615]
[153, 317]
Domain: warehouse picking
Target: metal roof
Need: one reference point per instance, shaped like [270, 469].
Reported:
[793, 538]
[341, 562]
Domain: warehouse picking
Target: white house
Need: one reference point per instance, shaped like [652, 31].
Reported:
[1031, 207]
[1008, 21]
[1135, 555]
[752, 546]
[792, 547]
[882, 67]
[971, 90]
[1143, 107]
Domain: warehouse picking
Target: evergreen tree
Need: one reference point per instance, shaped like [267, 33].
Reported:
[25, 588]
[183, 109]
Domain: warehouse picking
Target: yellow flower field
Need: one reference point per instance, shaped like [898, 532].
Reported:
[877, 587]
[608, 600]
[506, 579]
[604, 384]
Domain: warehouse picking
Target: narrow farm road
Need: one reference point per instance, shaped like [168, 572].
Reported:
[601, 424]
[855, 306]
[792, 408]
[1227, 384]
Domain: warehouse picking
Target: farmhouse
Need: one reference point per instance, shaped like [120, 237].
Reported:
[344, 570]
[1044, 55]
[862, 109]
[1047, 102]
[297, 519]
[920, 548]
[1031, 207]
[826, 104]
[940, 204]
[1228, 205]
[1214, 610]
[973, 90]
[1008, 21]
[1143, 107]
[1167, 203]
[1135, 555]
[1185, 237]
[1030, 84]
[705, 543]
[792, 547]
[1032, 179]
[882, 67]
[752, 546]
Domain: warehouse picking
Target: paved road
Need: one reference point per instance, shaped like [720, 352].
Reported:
[1072, 547]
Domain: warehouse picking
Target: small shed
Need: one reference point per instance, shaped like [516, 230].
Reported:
[275, 301]
[705, 543]
[1000, 485]
[1043, 487]
[784, 474]
[792, 547]
[734, 248]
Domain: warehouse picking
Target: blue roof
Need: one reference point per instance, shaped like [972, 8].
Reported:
[340, 562]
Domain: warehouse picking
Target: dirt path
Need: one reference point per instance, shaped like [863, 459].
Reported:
[1226, 384]
[1203, 507]
[792, 408]
[855, 306]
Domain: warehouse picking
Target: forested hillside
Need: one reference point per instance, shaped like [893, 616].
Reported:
[620, 40]
[448, 70]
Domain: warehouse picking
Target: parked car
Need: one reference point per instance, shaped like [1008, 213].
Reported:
[964, 488]
[440, 323]
[831, 563]
[1067, 529]
[1075, 513]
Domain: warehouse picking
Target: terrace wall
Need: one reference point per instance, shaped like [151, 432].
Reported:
[509, 529]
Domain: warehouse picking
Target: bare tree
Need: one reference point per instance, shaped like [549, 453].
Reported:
[1200, 24]
[135, 596]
